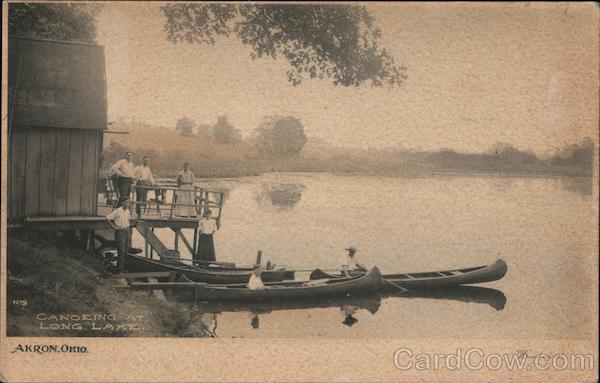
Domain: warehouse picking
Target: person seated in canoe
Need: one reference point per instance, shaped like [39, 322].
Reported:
[255, 282]
[349, 264]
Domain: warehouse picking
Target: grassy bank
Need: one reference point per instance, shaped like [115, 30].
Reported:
[55, 288]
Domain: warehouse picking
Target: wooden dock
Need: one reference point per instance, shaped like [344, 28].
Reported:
[160, 213]
[147, 232]
[154, 215]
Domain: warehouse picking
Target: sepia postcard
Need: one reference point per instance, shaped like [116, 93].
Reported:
[299, 192]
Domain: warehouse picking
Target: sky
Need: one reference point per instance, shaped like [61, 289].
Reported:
[478, 74]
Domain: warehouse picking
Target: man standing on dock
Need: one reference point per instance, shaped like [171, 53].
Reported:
[122, 221]
[144, 179]
[124, 170]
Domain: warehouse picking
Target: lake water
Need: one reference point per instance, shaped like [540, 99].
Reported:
[544, 228]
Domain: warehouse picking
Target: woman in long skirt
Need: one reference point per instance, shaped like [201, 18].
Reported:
[185, 195]
[206, 246]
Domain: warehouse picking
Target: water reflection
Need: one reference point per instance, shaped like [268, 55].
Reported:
[467, 294]
[583, 186]
[280, 196]
[348, 306]
[348, 311]
[369, 303]
[466, 216]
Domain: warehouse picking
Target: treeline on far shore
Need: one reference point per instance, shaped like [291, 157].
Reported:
[209, 157]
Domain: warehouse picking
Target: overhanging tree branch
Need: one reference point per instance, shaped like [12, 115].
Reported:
[335, 41]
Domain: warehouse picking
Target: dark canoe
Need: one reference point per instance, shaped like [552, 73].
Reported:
[205, 265]
[138, 264]
[274, 291]
[435, 279]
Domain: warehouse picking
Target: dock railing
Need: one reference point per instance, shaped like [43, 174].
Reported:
[164, 204]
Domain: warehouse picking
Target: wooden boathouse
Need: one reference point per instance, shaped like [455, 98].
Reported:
[57, 116]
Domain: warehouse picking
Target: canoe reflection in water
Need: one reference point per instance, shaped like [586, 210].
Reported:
[255, 322]
[468, 294]
[370, 303]
[350, 306]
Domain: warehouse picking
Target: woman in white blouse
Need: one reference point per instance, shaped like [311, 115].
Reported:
[185, 195]
[206, 246]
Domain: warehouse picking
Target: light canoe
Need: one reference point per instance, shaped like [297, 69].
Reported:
[435, 279]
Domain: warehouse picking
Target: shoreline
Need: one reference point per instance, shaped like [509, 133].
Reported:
[424, 174]
[56, 290]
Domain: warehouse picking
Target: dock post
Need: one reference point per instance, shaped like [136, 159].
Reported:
[145, 242]
[177, 239]
[206, 201]
[221, 194]
[258, 257]
[151, 248]
[195, 244]
[129, 238]
[89, 246]
[173, 198]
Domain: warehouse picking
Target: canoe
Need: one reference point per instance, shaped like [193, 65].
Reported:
[370, 281]
[273, 291]
[138, 264]
[205, 265]
[434, 279]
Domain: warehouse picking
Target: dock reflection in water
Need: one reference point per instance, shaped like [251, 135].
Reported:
[349, 307]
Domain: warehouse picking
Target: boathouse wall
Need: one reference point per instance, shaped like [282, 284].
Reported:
[56, 120]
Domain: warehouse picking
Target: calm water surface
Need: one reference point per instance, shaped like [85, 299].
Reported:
[545, 229]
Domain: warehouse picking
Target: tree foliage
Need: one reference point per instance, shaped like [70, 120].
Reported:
[579, 154]
[224, 132]
[336, 41]
[280, 136]
[205, 130]
[55, 21]
[507, 153]
[185, 126]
